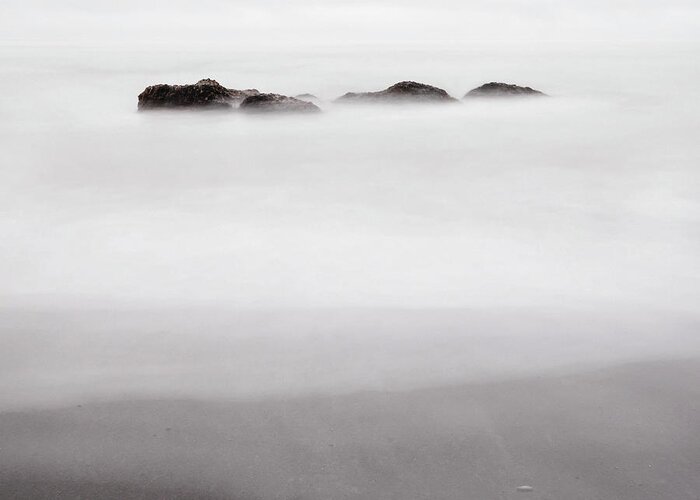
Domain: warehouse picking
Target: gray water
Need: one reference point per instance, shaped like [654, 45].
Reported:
[368, 247]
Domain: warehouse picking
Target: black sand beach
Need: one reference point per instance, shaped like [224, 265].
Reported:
[626, 432]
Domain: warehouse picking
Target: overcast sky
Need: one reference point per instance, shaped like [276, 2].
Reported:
[347, 21]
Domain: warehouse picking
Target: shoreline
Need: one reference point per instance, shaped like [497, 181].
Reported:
[626, 432]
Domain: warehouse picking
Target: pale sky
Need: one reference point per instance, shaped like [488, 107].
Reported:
[346, 21]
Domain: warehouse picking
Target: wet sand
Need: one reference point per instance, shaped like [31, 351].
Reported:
[626, 432]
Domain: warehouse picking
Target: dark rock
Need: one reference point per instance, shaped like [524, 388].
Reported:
[205, 93]
[275, 103]
[496, 89]
[402, 92]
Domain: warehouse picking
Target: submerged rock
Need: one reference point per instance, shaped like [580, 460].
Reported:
[525, 489]
[269, 103]
[205, 93]
[496, 89]
[400, 92]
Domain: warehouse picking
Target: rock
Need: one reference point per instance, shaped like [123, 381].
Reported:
[525, 489]
[306, 97]
[402, 92]
[309, 98]
[205, 93]
[275, 103]
[496, 89]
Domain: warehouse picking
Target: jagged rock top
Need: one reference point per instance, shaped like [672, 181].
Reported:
[206, 93]
[264, 103]
[401, 92]
[497, 89]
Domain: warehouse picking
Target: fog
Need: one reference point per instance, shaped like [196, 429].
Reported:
[326, 22]
[219, 254]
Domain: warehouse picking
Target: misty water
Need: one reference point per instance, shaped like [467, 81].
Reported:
[219, 254]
